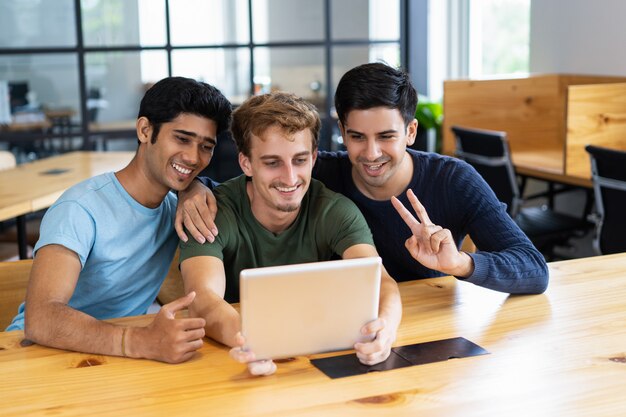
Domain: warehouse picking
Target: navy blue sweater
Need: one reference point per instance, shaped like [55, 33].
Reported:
[457, 198]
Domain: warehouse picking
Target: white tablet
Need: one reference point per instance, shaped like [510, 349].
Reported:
[302, 309]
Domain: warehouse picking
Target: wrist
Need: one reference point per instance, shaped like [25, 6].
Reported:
[123, 342]
[132, 343]
[465, 267]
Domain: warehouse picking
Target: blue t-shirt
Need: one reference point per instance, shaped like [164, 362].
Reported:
[125, 248]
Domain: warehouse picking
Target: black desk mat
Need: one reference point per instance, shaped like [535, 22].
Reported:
[400, 357]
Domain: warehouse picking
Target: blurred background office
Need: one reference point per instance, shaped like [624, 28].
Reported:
[72, 72]
[75, 70]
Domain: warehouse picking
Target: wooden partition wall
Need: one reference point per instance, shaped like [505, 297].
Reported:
[548, 118]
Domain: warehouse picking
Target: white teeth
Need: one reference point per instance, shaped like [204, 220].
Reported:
[373, 167]
[182, 170]
[286, 189]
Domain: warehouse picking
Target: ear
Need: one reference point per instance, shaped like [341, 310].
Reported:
[314, 156]
[244, 163]
[341, 128]
[411, 132]
[144, 130]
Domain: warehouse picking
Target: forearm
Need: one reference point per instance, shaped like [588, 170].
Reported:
[57, 325]
[390, 305]
[517, 270]
[510, 263]
[222, 320]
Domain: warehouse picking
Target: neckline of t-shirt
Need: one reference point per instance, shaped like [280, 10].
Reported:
[131, 201]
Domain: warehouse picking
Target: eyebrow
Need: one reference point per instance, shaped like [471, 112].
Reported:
[384, 132]
[195, 135]
[303, 153]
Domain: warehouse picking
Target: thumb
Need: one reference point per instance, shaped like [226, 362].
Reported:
[240, 340]
[179, 304]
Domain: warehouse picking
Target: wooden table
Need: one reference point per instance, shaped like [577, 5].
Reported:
[546, 166]
[561, 353]
[34, 186]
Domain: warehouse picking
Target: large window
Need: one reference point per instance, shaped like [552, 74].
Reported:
[499, 37]
[87, 63]
[477, 39]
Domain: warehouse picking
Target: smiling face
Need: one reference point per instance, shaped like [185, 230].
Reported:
[376, 140]
[183, 148]
[280, 166]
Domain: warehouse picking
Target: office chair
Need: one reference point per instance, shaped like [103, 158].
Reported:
[609, 185]
[488, 152]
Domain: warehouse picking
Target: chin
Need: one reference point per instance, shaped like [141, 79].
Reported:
[288, 208]
[179, 186]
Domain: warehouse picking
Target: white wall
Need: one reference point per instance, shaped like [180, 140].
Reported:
[578, 37]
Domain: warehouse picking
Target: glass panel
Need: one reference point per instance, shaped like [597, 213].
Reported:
[499, 37]
[209, 22]
[116, 82]
[29, 24]
[226, 69]
[297, 70]
[348, 57]
[287, 20]
[366, 19]
[123, 22]
[41, 86]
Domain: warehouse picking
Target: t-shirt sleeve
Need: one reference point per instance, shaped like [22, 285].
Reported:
[70, 225]
[224, 222]
[345, 226]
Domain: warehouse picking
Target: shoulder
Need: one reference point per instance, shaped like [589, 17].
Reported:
[330, 162]
[332, 157]
[231, 193]
[441, 168]
[431, 160]
[333, 168]
[89, 189]
[85, 197]
[231, 198]
[326, 200]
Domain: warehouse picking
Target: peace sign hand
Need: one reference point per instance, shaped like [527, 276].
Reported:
[432, 245]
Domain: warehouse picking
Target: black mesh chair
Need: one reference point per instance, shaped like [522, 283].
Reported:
[488, 152]
[608, 168]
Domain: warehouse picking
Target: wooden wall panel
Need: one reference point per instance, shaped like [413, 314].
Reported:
[596, 115]
[532, 110]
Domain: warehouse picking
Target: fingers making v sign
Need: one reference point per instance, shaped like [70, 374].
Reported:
[430, 244]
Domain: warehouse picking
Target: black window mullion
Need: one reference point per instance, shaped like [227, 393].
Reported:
[82, 75]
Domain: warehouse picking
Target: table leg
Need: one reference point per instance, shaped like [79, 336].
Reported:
[22, 243]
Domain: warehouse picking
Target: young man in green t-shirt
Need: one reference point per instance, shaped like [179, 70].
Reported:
[276, 214]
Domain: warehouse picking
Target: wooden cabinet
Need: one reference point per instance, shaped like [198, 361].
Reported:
[548, 118]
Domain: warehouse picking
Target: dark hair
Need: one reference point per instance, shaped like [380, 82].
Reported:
[286, 110]
[168, 98]
[376, 85]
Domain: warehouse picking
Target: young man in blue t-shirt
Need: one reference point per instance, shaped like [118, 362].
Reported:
[106, 245]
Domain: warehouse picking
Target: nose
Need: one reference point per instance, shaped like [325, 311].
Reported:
[191, 155]
[290, 174]
[372, 150]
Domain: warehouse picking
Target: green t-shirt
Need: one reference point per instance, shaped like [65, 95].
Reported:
[327, 224]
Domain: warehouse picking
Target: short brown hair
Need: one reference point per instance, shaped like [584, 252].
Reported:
[258, 113]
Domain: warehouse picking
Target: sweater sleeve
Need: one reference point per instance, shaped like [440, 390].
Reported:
[506, 259]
